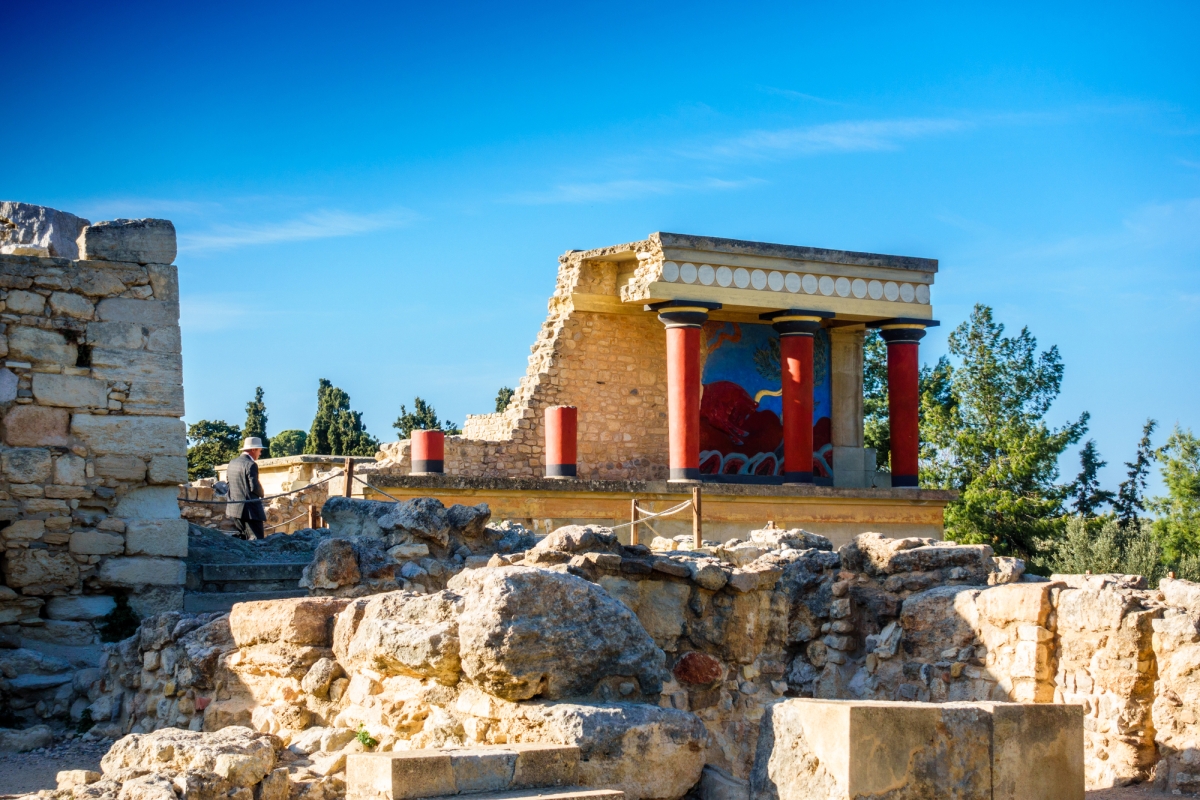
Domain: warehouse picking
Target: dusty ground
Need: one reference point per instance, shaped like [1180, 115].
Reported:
[29, 772]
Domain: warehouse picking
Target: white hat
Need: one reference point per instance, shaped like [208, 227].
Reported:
[252, 443]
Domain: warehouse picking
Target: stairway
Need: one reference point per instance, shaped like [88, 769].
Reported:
[219, 586]
[499, 772]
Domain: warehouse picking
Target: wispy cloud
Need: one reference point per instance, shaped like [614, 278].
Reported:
[327, 224]
[1156, 225]
[607, 191]
[214, 312]
[833, 137]
[794, 95]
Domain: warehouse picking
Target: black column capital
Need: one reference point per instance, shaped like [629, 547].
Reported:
[683, 313]
[903, 329]
[796, 321]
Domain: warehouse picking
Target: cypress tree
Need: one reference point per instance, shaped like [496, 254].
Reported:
[336, 430]
[256, 419]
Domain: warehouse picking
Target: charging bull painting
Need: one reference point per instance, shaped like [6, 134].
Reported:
[741, 426]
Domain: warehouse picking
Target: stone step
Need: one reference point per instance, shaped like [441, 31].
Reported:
[207, 602]
[519, 770]
[281, 571]
[551, 793]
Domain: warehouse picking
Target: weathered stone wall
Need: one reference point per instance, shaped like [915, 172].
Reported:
[93, 448]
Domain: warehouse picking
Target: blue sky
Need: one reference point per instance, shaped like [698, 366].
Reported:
[377, 194]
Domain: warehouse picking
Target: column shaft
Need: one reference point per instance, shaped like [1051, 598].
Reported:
[683, 401]
[796, 372]
[903, 411]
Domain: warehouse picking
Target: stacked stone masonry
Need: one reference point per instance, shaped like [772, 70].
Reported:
[92, 447]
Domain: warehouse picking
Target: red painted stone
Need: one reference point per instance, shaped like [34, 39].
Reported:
[698, 668]
[202, 702]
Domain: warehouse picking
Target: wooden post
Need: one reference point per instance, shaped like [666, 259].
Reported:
[314, 518]
[633, 517]
[697, 537]
[347, 477]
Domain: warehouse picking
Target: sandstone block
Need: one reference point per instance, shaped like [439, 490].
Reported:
[96, 543]
[123, 468]
[140, 571]
[150, 502]
[80, 607]
[69, 391]
[838, 750]
[55, 230]
[24, 530]
[164, 279]
[241, 756]
[145, 436]
[36, 426]
[152, 313]
[116, 335]
[399, 776]
[22, 302]
[1180, 593]
[63, 304]
[301, 620]
[1016, 602]
[167, 339]
[96, 281]
[40, 571]
[139, 241]
[70, 470]
[40, 346]
[168, 470]
[137, 366]
[158, 399]
[156, 537]
[1037, 751]
[26, 465]
[408, 634]
[70, 778]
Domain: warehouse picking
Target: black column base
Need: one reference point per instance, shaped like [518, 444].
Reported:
[904, 481]
[685, 474]
[797, 477]
[560, 470]
[428, 467]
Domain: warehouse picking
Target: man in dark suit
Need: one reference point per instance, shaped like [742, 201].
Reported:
[244, 491]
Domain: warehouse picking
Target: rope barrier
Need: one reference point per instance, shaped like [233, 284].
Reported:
[667, 513]
[269, 497]
[376, 488]
[289, 522]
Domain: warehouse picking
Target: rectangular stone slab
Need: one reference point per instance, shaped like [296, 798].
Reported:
[406, 775]
[1037, 751]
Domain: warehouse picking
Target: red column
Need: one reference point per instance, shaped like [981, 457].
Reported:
[428, 452]
[904, 400]
[796, 328]
[683, 319]
[796, 372]
[561, 428]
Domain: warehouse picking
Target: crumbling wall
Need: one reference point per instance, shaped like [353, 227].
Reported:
[92, 448]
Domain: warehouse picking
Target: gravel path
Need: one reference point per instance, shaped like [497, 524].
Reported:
[29, 772]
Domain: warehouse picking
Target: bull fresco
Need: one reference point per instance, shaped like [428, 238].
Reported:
[741, 408]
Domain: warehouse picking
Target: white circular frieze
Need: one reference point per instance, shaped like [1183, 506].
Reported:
[891, 291]
[859, 288]
[775, 281]
[875, 290]
[758, 279]
[724, 276]
[906, 292]
[792, 282]
[687, 273]
[741, 277]
[922, 294]
[810, 284]
[707, 274]
[826, 284]
[670, 271]
[842, 285]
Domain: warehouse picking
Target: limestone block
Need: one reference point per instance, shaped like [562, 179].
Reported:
[31, 425]
[64, 304]
[150, 503]
[19, 609]
[157, 537]
[40, 571]
[55, 230]
[140, 571]
[407, 634]
[1180, 593]
[1037, 751]
[24, 530]
[164, 279]
[80, 607]
[168, 469]
[97, 543]
[660, 606]
[241, 756]
[71, 633]
[839, 749]
[1016, 603]
[26, 465]
[152, 313]
[126, 335]
[151, 600]
[22, 302]
[145, 436]
[21, 741]
[399, 776]
[139, 241]
[69, 391]
[40, 346]
[137, 365]
[70, 470]
[96, 281]
[301, 620]
[9, 382]
[166, 339]
[158, 399]
[122, 468]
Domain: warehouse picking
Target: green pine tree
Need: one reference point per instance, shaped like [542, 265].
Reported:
[1177, 527]
[503, 397]
[256, 419]
[422, 418]
[1132, 491]
[1085, 492]
[288, 443]
[213, 443]
[336, 430]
